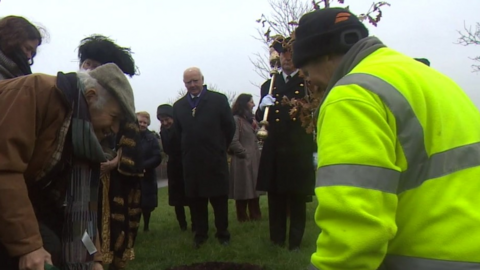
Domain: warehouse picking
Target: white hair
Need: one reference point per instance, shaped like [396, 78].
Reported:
[85, 82]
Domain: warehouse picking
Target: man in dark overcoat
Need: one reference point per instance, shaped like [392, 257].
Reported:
[286, 169]
[205, 124]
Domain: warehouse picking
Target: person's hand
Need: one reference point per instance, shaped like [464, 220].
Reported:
[35, 260]
[97, 266]
[106, 167]
[315, 160]
[267, 101]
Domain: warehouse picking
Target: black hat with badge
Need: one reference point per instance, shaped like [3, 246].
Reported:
[326, 31]
[281, 44]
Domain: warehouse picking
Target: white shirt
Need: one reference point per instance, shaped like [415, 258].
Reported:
[192, 96]
[291, 75]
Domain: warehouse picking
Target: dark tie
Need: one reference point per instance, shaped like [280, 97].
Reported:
[288, 78]
[194, 99]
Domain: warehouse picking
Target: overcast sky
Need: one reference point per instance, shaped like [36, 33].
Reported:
[216, 35]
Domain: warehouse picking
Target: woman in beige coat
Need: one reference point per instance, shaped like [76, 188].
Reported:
[245, 160]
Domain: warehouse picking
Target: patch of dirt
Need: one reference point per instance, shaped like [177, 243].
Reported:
[218, 266]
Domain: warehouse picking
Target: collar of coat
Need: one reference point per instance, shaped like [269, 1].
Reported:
[85, 143]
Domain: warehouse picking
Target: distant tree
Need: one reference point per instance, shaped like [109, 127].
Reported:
[282, 23]
[278, 23]
[231, 95]
[471, 37]
[283, 20]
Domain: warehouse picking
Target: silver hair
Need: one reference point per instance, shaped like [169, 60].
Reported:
[85, 82]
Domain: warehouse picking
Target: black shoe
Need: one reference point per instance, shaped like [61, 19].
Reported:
[224, 242]
[183, 228]
[198, 243]
[294, 249]
[279, 244]
[146, 229]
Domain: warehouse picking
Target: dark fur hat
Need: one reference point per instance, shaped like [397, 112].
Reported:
[104, 50]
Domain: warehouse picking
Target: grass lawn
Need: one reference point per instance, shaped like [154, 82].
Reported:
[166, 245]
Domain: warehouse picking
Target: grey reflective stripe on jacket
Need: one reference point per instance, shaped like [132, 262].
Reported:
[397, 262]
[411, 137]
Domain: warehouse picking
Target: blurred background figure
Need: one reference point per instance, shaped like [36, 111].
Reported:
[286, 168]
[245, 161]
[171, 146]
[151, 159]
[120, 190]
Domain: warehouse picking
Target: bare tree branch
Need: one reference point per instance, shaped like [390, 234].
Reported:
[261, 65]
[180, 93]
[231, 95]
[283, 12]
[470, 37]
[283, 20]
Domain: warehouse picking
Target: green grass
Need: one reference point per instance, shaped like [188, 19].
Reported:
[166, 245]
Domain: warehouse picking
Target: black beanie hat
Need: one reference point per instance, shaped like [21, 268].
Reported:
[165, 109]
[325, 31]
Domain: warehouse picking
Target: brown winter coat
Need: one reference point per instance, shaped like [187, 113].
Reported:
[32, 113]
[245, 161]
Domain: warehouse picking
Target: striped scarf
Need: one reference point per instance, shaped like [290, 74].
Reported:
[80, 223]
[80, 228]
[81, 212]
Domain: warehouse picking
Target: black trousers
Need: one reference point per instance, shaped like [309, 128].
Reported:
[51, 243]
[200, 215]
[182, 219]
[277, 211]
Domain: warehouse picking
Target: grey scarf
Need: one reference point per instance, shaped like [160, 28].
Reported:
[352, 58]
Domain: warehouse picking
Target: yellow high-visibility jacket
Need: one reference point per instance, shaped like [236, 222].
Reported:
[398, 179]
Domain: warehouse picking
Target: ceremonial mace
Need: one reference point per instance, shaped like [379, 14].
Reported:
[262, 133]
